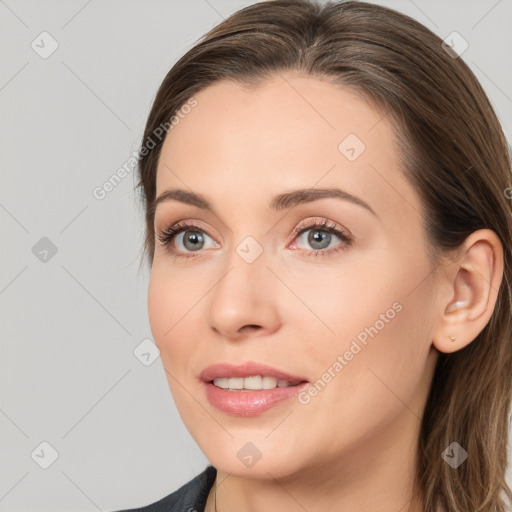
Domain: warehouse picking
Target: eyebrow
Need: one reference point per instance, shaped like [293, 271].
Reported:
[280, 202]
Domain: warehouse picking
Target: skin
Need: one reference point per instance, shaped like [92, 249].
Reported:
[352, 447]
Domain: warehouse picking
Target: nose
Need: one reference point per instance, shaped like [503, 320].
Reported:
[244, 302]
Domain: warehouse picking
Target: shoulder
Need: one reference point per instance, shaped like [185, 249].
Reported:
[190, 497]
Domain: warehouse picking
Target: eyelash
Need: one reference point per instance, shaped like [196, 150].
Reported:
[171, 232]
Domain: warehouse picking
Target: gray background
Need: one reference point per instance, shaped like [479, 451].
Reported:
[70, 321]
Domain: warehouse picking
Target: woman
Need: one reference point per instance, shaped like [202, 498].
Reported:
[329, 231]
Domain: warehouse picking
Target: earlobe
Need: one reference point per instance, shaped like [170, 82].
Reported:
[473, 284]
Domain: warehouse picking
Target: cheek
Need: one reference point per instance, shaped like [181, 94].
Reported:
[159, 307]
[375, 333]
[341, 302]
[168, 321]
[166, 312]
[375, 383]
[171, 294]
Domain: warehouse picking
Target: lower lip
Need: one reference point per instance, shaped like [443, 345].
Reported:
[250, 403]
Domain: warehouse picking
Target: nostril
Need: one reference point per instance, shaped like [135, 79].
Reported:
[251, 327]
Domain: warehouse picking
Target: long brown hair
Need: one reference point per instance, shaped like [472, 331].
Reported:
[454, 153]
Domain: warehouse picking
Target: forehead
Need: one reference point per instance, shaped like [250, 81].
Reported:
[290, 132]
[284, 110]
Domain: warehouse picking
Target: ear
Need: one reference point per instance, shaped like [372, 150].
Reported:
[470, 289]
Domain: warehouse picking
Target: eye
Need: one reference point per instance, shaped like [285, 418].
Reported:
[321, 235]
[187, 236]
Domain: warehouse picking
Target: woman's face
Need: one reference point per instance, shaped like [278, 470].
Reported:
[346, 306]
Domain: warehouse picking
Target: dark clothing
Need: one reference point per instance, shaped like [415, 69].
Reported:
[190, 497]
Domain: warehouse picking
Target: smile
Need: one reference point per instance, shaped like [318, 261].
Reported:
[252, 383]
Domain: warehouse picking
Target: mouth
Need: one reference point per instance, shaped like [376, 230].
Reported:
[249, 389]
[250, 376]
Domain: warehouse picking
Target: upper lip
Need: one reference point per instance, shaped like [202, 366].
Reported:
[220, 370]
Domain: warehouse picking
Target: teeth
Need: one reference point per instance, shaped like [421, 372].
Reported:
[254, 382]
[269, 382]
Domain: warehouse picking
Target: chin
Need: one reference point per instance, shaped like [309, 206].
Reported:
[251, 455]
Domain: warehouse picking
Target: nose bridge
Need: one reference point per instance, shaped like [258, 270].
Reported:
[246, 263]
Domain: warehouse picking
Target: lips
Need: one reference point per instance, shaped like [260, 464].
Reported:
[225, 370]
[249, 402]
